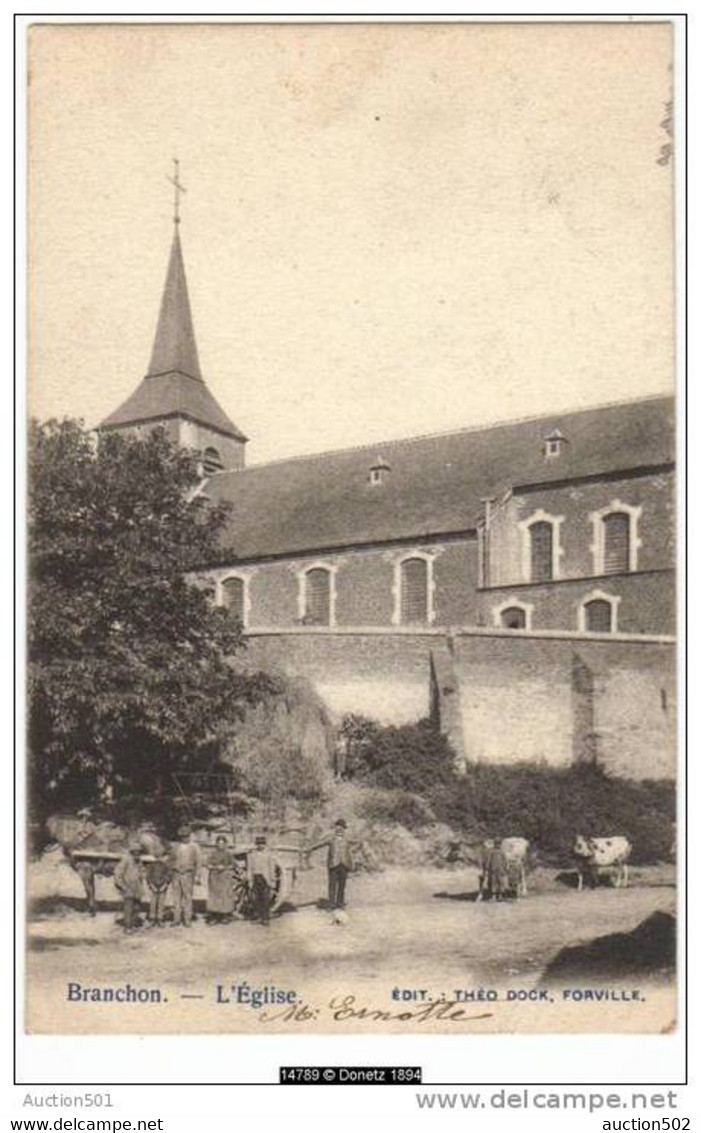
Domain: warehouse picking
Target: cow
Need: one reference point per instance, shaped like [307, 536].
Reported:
[594, 855]
[92, 849]
[516, 851]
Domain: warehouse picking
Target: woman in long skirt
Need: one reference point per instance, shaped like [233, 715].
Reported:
[220, 890]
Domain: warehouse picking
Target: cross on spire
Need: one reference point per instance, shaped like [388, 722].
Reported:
[178, 189]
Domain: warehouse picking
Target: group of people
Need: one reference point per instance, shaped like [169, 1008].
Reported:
[179, 867]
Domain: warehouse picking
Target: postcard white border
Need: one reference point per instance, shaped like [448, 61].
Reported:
[445, 1059]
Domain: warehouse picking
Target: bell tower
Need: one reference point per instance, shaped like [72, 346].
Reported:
[173, 392]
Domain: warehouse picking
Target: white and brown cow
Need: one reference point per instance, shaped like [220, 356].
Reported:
[516, 850]
[596, 855]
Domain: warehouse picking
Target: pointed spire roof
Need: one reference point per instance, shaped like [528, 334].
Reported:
[173, 385]
[174, 347]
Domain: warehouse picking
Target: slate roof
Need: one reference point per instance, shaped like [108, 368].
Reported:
[173, 395]
[435, 485]
[174, 346]
[173, 386]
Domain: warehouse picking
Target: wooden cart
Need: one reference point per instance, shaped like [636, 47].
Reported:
[90, 863]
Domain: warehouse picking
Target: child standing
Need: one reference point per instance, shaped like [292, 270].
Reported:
[128, 877]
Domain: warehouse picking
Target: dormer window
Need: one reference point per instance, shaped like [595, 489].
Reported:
[379, 471]
[554, 443]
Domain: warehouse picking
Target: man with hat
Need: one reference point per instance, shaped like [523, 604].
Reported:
[262, 872]
[339, 862]
[186, 862]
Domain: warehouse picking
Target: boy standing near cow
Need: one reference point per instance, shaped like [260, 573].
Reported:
[494, 877]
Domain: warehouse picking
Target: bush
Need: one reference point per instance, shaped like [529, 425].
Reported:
[414, 757]
[399, 807]
[550, 806]
[414, 767]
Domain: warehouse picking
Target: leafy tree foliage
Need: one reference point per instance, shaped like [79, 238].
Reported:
[132, 671]
[413, 757]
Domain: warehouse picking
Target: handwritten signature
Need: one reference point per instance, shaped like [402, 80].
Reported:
[346, 1008]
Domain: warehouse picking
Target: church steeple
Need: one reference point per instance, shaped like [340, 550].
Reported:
[174, 347]
[173, 392]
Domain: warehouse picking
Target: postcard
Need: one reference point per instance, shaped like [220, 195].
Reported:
[351, 575]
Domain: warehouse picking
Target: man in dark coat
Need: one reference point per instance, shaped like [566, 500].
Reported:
[262, 874]
[494, 882]
[158, 880]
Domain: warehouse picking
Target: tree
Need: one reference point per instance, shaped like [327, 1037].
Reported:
[133, 673]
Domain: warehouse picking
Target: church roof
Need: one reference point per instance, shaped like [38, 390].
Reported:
[173, 395]
[174, 385]
[436, 485]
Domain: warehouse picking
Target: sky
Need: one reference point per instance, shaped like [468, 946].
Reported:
[388, 230]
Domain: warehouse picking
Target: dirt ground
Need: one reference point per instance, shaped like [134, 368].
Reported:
[403, 927]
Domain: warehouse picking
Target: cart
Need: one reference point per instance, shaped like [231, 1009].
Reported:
[90, 863]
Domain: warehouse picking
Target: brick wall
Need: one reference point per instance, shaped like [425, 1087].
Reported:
[569, 700]
[551, 699]
[383, 675]
[364, 584]
[653, 494]
[647, 601]
[365, 580]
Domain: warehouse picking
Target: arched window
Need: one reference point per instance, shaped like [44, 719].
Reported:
[541, 534]
[211, 461]
[616, 538]
[317, 597]
[598, 616]
[513, 617]
[616, 542]
[233, 597]
[414, 591]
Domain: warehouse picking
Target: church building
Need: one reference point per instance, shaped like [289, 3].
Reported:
[514, 581]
